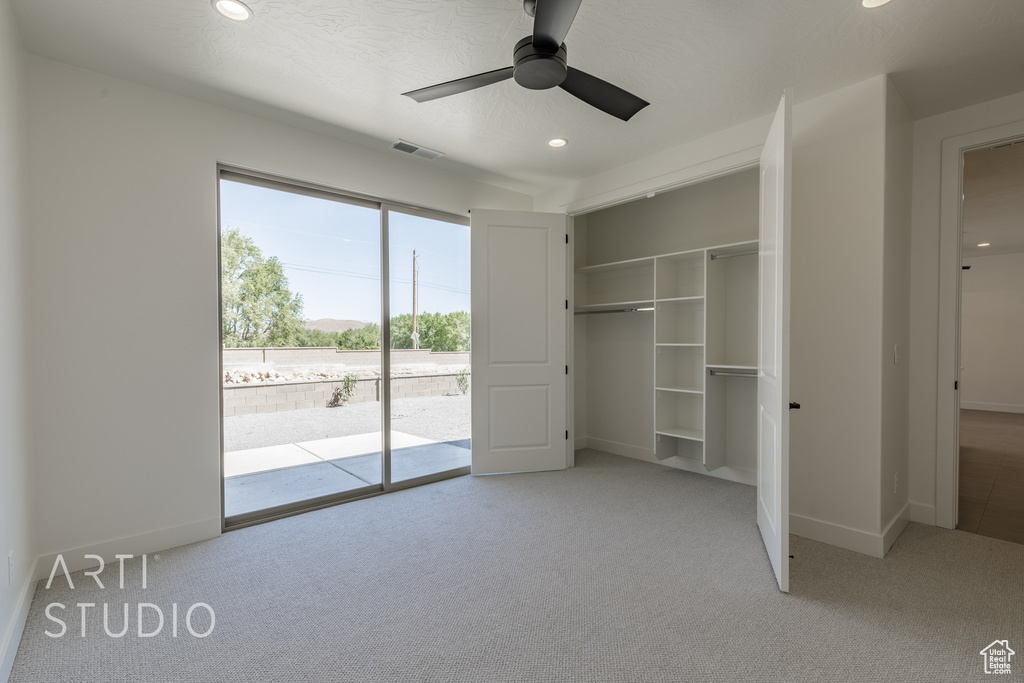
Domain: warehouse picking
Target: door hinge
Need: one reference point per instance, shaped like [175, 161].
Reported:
[567, 304]
[566, 434]
[567, 238]
[567, 369]
[956, 385]
[793, 405]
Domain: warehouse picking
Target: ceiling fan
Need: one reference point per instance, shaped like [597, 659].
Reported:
[539, 63]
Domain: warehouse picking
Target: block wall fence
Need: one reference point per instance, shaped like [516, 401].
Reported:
[275, 397]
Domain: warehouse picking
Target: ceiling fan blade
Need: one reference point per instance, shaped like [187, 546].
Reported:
[601, 94]
[440, 90]
[552, 21]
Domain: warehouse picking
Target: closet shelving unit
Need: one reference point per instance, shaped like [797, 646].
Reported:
[679, 353]
[705, 340]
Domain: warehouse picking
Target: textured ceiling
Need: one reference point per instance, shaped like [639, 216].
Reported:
[993, 209]
[703, 64]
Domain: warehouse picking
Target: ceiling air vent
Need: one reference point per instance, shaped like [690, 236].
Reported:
[416, 150]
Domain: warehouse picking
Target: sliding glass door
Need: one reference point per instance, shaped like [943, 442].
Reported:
[429, 345]
[308, 395]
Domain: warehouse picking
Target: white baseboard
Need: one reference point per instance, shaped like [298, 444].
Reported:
[865, 542]
[856, 540]
[624, 449]
[895, 527]
[922, 513]
[739, 476]
[994, 407]
[141, 544]
[873, 544]
[14, 631]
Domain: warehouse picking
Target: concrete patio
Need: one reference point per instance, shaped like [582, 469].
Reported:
[273, 460]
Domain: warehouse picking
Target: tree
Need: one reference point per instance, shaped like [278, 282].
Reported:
[361, 338]
[258, 307]
[438, 331]
[308, 337]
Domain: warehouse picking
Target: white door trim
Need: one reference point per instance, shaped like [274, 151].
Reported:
[947, 417]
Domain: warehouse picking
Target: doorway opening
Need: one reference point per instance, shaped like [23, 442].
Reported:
[336, 383]
[991, 412]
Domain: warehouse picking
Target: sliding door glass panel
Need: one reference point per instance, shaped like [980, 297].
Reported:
[430, 380]
[301, 315]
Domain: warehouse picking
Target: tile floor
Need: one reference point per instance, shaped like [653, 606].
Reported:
[992, 474]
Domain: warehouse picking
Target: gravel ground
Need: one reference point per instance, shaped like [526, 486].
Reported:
[440, 418]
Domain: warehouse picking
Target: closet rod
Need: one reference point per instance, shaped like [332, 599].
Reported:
[734, 253]
[723, 373]
[614, 310]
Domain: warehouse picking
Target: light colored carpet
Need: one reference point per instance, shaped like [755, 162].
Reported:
[616, 570]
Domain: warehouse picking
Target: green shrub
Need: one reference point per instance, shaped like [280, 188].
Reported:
[342, 394]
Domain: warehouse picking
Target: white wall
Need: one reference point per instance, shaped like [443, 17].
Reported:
[719, 211]
[14, 462]
[899, 149]
[836, 320]
[123, 248]
[992, 327]
[924, 290]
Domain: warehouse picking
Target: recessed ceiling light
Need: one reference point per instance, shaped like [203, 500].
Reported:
[873, 3]
[232, 9]
[558, 142]
[985, 244]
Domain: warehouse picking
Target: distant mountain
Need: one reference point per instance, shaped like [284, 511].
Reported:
[334, 325]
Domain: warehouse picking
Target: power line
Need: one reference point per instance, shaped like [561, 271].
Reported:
[343, 273]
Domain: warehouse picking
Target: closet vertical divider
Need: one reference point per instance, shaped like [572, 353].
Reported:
[679, 355]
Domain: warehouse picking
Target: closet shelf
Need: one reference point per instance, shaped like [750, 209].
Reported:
[667, 344]
[614, 305]
[618, 265]
[680, 433]
[732, 368]
[682, 390]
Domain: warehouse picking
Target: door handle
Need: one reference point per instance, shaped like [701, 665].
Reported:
[793, 405]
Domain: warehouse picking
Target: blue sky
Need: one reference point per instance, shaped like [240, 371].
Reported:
[331, 252]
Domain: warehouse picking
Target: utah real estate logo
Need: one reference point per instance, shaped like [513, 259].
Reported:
[997, 657]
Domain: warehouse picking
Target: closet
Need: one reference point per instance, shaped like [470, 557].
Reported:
[633, 329]
[665, 328]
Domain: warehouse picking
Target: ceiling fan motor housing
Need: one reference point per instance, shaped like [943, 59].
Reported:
[536, 69]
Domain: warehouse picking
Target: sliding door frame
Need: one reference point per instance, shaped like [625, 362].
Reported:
[384, 208]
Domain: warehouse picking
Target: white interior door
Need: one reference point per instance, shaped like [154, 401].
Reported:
[773, 328]
[518, 341]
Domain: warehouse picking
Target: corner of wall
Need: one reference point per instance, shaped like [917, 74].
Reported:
[895, 399]
[19, 617]
[16, 540]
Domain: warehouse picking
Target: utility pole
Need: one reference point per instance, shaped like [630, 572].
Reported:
[415, 333]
